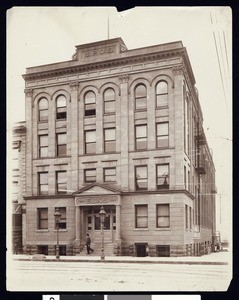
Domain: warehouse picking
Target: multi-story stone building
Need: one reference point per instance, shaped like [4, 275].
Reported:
[123, 129]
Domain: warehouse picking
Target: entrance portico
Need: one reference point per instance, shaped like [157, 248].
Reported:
[88, 202]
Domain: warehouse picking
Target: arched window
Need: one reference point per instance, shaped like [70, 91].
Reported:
[61, 107]
[109, 101]
[43, 109]
[90, 104]
[140, 97]
[162, 94]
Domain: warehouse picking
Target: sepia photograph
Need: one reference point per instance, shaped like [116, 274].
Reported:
[119, 149]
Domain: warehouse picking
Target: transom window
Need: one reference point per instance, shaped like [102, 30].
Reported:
[90, 141]
[61, 182]
[43, 183]
[90, 105]
[43, 109]
[110, 174]
[162, 94]
[140, 97]
[43, 145]
[109, 101]
[162, 135]
[61, 107]
[141, 216]
[90, 175]
[42, 216]
[163, 216]
[141, 178]
[140, 137]
[61, 144]
[163, 176]
[110, 142]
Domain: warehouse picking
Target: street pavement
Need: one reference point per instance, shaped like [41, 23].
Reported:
[215, 258]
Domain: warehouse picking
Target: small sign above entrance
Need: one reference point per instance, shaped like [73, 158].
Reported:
[93, 200]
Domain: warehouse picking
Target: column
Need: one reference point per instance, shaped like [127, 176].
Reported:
[118, 223]
[74, 136]
[124, 138]
[77, 223]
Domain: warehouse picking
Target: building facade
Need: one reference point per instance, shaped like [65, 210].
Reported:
[123, 129]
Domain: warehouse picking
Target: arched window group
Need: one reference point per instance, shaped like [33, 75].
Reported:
[43, 111]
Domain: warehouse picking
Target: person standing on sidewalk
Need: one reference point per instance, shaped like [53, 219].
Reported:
[88, 242]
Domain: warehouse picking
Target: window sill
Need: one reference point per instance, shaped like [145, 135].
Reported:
[109, 114]
[42, 230]
[61, 230]
[163, 229]
[140, 109]
[161, 107]
[139, 229]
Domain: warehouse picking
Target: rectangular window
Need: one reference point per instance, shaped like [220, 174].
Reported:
[42, 216]
[186, 216]
[62, 222]
[61, 144]
[90, 142]
[43, 145]
[109, 174]
[110, 142]
[190, 217]
[163, 251]
[162, 135]
[61, 182]
[163, 216]
[140, 137]
[43, 183]
[163, 176]
[141, 216]
[141, 178]
[90, 175]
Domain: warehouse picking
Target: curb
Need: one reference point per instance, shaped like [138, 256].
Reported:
[129, 261]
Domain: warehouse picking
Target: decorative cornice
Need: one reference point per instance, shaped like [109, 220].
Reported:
[28, 92]
[74, 85]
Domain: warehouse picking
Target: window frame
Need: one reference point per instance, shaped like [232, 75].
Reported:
[40, 219]
[162, 135]
[138, 98]
[137, 188]
[64, 183]
[113, 100]
[41, 147]
[58, 145]
[61, 111]
[85, 175]
[138, 217]
[104, 175]
[89, 112]
[42, 184]
[144, 138]
[43, 110]
[161, 94]
[162, 186]
[109, 140]
[87, 143]
[164, 216]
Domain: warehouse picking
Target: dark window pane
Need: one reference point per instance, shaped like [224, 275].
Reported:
[141, 144]
[90, 148]
[61, 150]
[110, 146]
[162, 141]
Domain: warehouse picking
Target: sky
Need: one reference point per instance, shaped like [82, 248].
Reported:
[43, 35]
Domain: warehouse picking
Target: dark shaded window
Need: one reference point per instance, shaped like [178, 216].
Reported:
[90, 105]
[61, 107]
[61, 182]
[140, 137]
[90, 142]
[163, 251]
[162, 135]
[109, 101]
[61, 144]
[163, 176]
[163, 218]
[110, 142]
[43, 110]
[43, 183]
[42, 215]
[43, 145]
[42, 249]
[162, 94]
[141, 216]
[140, 97]
[141, 178]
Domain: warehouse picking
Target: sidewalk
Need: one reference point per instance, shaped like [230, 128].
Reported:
[215, 258]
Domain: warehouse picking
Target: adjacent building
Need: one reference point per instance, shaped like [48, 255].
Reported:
[123, 129]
